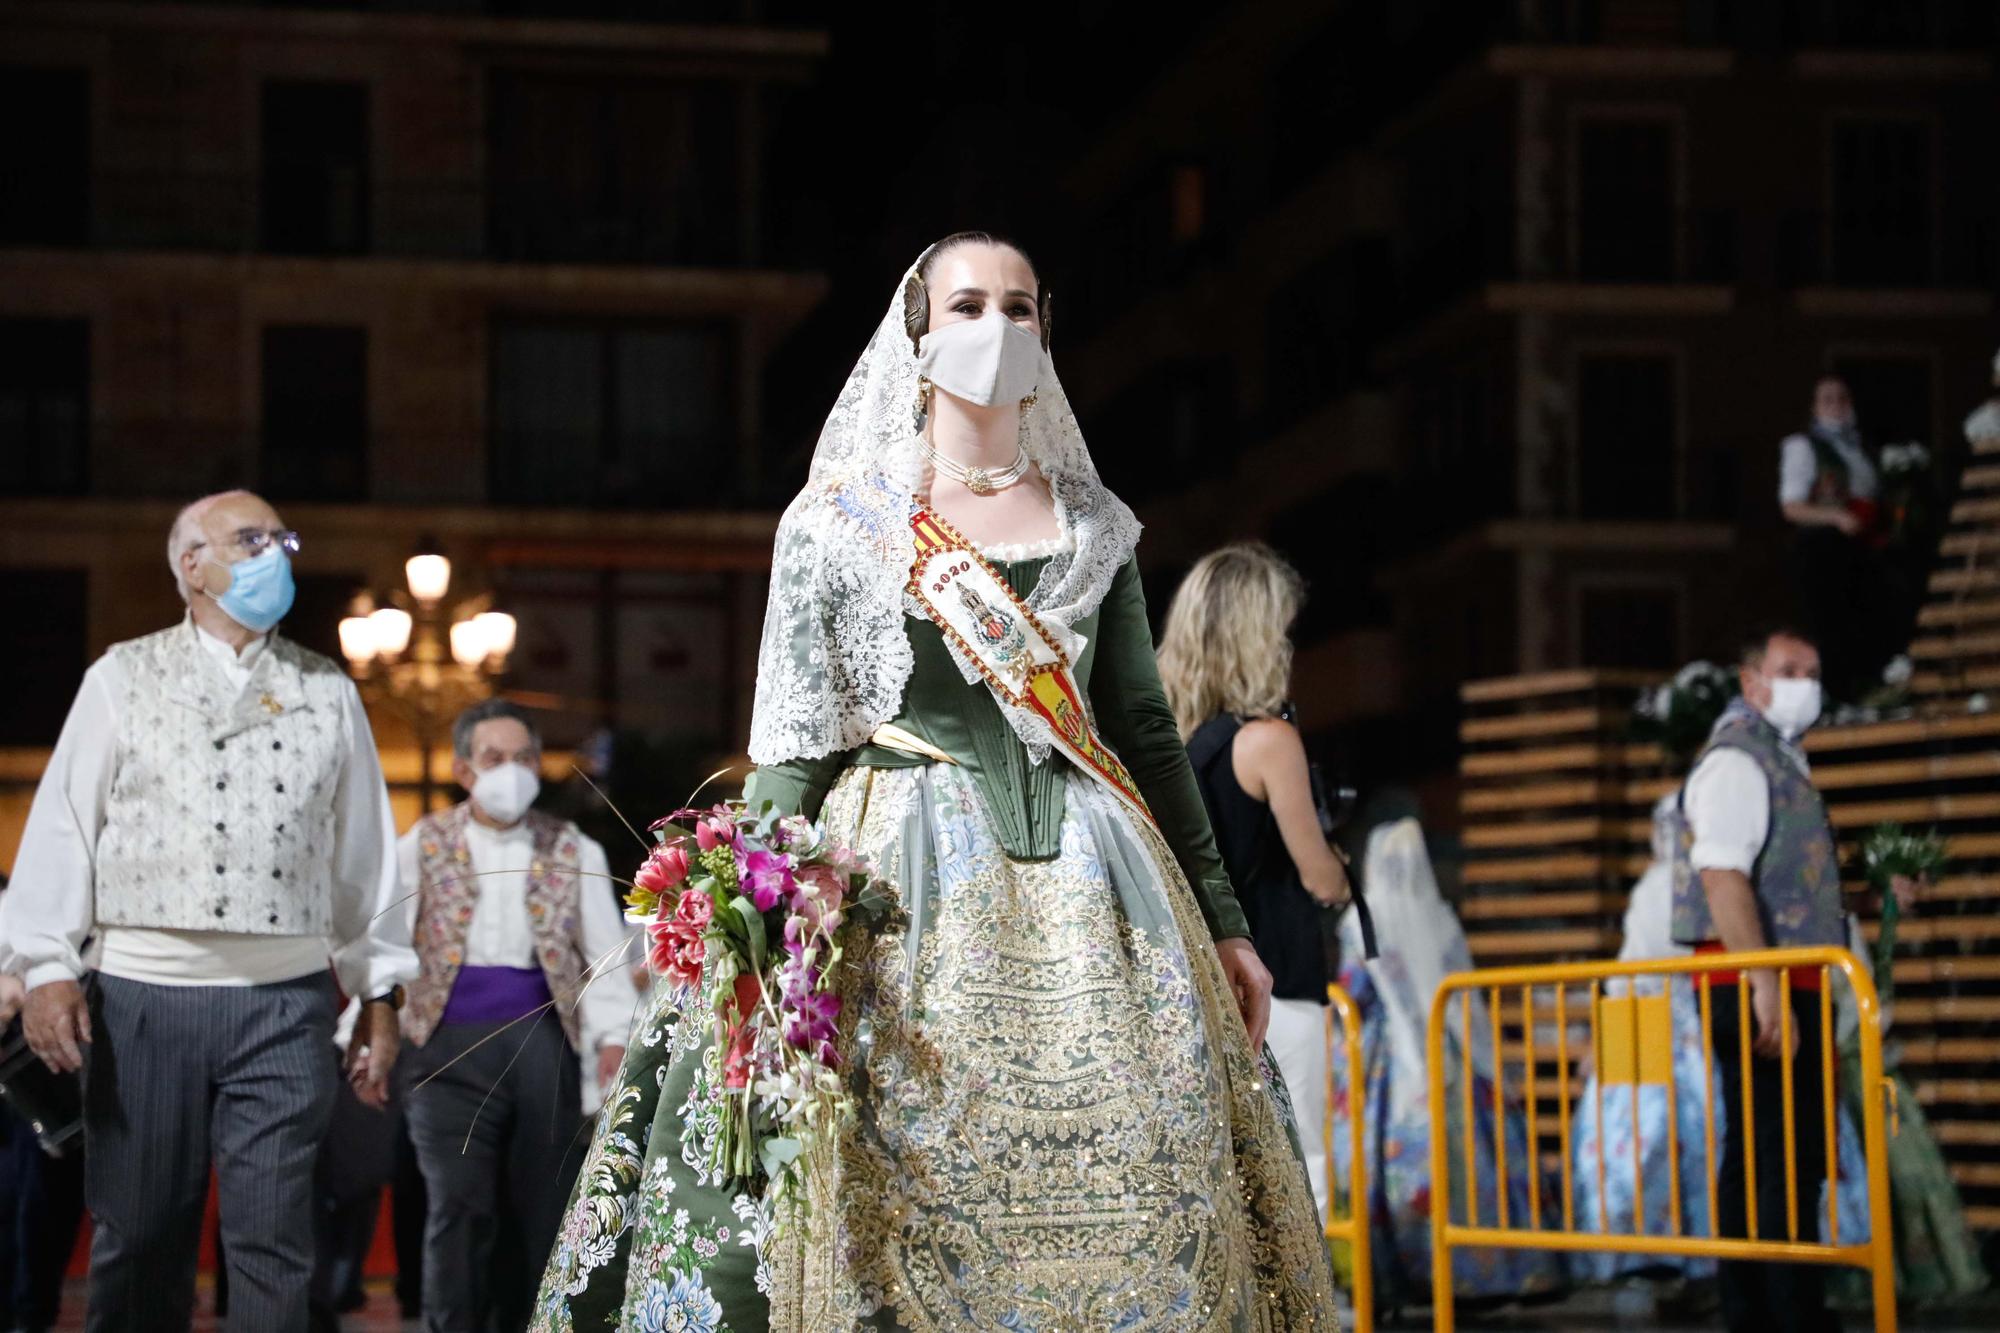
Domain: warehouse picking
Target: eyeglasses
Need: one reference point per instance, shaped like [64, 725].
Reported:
[255, 541]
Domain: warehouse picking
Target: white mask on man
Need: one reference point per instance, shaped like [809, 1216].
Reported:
[505, 791]
[1794, 706]
[985, 361]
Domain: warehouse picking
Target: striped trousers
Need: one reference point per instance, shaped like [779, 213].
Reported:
[179, 1078]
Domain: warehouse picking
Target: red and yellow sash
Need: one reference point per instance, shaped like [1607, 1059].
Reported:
[1025, 664]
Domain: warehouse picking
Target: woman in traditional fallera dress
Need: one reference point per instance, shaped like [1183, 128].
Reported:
[1421, 944]
[1061, 1120]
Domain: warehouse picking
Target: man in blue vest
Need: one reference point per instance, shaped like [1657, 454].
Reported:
[1766, 875]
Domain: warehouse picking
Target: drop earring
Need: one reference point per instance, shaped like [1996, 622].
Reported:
[923, 407]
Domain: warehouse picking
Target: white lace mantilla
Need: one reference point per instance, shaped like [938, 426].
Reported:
[834, 659]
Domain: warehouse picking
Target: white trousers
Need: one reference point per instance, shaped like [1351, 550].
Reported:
[1298, 1040]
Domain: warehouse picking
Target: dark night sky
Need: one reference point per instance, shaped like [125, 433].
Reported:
[935, 119]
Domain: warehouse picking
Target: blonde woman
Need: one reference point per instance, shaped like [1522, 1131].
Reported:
[1226, 663]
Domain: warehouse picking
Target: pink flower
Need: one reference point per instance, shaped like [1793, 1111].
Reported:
[676, 947]
[809, 1018]
[664, 869]
[716, 830]
[696, 909]
[767, 878]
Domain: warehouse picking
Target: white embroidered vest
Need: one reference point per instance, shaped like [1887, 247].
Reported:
[221, 808]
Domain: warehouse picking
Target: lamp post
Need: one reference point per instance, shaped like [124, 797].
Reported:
[420, 662]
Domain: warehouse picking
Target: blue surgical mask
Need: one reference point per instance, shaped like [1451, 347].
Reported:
[260, 590]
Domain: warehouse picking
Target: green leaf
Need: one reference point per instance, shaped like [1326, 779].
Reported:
[779, 1153]
[753, 929]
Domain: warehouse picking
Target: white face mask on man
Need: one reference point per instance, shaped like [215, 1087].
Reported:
[985, 361]
[505, 791]
[1794, 707]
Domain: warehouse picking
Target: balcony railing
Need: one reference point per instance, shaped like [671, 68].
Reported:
[1641, 249]
[512, 221]
[1890, 246]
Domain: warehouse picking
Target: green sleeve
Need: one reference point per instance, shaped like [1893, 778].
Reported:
[1132, 711]
[797, 786]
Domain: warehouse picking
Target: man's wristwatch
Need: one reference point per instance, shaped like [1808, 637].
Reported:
[393, 997]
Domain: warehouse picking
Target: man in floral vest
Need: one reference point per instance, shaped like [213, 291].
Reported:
[524, 965]
[214, 824]
[1763, 872]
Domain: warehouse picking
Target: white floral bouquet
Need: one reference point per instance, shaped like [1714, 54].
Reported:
[1679, 714]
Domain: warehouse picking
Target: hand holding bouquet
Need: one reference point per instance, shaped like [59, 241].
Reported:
[748, 908]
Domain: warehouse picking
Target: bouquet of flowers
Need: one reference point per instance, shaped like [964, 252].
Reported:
[748, 908]
[1907, 491]
[1886, 853]
[1680, 714]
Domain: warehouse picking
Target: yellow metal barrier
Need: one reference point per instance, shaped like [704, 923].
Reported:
[1630, 1037]
[1353, 1228]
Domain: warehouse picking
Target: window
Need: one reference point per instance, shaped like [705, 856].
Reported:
[315, 413]
[315, 185]
[1626, 200]
[1879, 228]
[47, 650]
[603, 169]
[44, 406]
[1892, 396]
[1627, 436]
[45, 199]
[1628, 627]
[623, 414]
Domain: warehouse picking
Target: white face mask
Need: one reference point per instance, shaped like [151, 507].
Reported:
[1794, 706]
[505, 791]
[985, 361]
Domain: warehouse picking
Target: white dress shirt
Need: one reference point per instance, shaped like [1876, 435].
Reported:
[501, 933]
[48, 913]
[1729, 808]
[1798, 469]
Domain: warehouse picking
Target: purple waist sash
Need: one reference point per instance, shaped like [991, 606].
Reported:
[495, 994]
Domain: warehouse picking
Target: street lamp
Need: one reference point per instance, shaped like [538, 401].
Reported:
[424, 664]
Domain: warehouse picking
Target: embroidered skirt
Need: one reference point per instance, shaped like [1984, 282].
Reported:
[1060, 1123]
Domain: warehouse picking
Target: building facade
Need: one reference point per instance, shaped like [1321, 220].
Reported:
[490, 276]
[1495, 332]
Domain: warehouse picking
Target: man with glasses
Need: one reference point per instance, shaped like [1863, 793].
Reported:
[214, 814]
[526, 963]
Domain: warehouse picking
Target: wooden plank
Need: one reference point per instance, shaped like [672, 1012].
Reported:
[1975, 1175]
[1948, 1009]
[1547, 943]
[1863, 814]
[1900, 772]
[1980, 1217]
[1959, 612]
[1947, 646]
[1975, 511]
[1985, 477]
[1946, 928]
[1906, 731]
[1959, 681]
[1538, 796]
[1502, 906]
[1977, 1091]
[1950, 1050]
[1556, 758]
[1967, 846]
[1984, 1132]
[1502, 688]
[1476, 729]
[1929, 971]
[1964, 580]
[1555, 832]
[1532, 870]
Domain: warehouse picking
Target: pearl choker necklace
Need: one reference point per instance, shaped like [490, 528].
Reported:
[978, 480]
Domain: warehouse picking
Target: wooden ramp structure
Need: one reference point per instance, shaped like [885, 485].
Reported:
[1556, 803]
